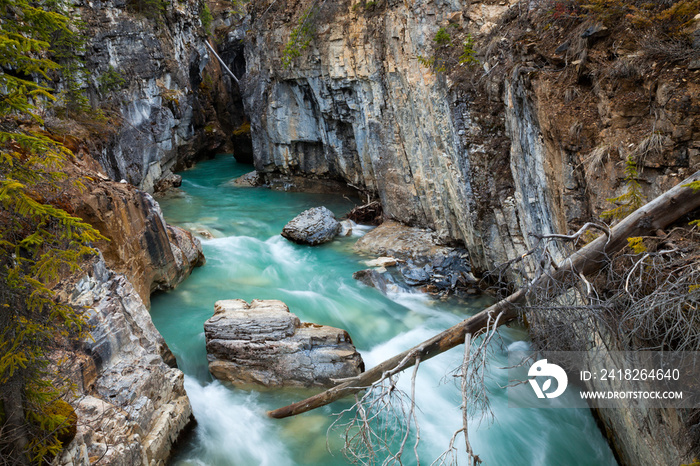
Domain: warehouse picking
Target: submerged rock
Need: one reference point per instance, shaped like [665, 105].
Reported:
[314, 226]
[346, 227]
[168, 181]
[262, 343]
[379, 279]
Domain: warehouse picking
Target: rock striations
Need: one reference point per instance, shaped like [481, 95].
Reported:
[154, 255]
[129, 398]
[165, 94]
[262, 343]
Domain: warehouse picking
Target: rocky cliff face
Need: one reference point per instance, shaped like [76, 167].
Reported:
[533, 139]
[154, 256]
[165, 97]
[158, 102]
[129, 398]
[131, 405]
[358, 106]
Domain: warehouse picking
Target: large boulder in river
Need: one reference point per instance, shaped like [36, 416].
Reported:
[314, 226]
[262, 343]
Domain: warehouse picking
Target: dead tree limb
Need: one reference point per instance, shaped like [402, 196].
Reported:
[657, 214]
[211, 49]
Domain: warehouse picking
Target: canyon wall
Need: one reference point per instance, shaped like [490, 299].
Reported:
[130, 402]
[358, 106]
[158, 102]
[165, 98]
[533, 138]
[128, 393]
[483, 157]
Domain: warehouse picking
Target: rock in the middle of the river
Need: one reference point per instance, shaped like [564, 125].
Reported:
[314, 226]
[263, 343]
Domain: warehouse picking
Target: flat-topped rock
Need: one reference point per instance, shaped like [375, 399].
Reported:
[249, 180]
[397, 240]
[262, 343]
[426, 262]
[313, 226]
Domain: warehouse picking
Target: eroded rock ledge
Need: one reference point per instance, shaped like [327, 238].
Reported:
[422, 259]
[262, 343]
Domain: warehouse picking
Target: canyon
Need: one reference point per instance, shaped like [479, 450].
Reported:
[531, 139]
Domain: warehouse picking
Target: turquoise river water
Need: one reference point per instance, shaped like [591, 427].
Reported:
[247, 258]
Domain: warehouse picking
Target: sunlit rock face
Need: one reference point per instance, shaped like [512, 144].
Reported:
[262, 343]
[153, 255]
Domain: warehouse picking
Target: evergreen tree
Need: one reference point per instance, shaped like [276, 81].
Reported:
[39, 242]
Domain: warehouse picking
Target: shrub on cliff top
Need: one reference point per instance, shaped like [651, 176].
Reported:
[468, 56]
[206, 18]
[670, 17]
[300, 38]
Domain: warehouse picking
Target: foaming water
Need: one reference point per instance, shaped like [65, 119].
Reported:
[248, 259]
[231, 427]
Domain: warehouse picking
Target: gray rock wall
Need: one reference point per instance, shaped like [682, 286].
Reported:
[359, 107]
[173, 105]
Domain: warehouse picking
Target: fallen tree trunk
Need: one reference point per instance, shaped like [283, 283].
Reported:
[655, 215]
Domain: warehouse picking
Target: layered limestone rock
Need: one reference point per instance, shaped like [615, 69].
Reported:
[153, 255]
[262, 343]
[131, 404]
[484, 164]
[130, 399]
